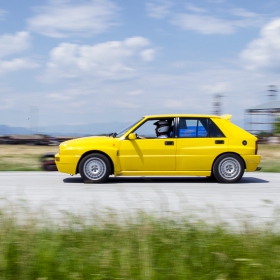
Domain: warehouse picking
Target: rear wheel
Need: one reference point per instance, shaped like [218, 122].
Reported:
[95, 168]
[228, 168]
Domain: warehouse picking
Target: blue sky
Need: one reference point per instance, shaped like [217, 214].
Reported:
[90, 61]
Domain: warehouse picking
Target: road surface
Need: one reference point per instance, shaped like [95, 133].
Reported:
[256, 197]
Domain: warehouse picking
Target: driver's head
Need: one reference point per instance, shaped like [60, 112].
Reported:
[162, 127]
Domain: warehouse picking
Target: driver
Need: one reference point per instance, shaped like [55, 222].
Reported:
[162, 129]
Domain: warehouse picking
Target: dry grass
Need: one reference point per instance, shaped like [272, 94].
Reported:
[270, 161]
[269, 152]
[19, 150]
[22, 157]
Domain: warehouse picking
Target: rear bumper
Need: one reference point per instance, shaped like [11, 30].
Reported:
[252, 162]
[66, 163]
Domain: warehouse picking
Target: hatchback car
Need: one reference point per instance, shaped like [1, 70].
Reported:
[193, 145]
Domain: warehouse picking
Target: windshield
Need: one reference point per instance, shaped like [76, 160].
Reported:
[123, 131]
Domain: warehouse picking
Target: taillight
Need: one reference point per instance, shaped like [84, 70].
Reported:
[256, 147]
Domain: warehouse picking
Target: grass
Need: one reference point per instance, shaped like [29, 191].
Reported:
[143, 247]
[270, 161]
[27, 158]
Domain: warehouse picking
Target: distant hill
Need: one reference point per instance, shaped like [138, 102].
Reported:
[8, 130]
[72, 130]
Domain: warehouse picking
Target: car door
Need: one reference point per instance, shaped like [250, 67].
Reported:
[147, 153]
[199, 142]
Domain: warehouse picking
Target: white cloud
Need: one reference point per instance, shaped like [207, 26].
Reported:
[125, 104]
[113, 59]
[194, 8]
[243, 13]
[66, 18]
[59, 96]
[201, 20]
[158, 8]
[136, 42]
[135, 92]
[264, 52]
[17, 64]
[174, 104]
[203, 24]
[148, 54]
[11, 44]
[217, 88]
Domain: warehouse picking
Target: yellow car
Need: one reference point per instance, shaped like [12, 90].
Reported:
[164, 145]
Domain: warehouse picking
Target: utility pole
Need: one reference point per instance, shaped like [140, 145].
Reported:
[217, 104]
[272, 92]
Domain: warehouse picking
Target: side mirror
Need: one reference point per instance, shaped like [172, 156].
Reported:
[132, 136]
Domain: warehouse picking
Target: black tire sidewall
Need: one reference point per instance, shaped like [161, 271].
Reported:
[216, 171]
[104, 177]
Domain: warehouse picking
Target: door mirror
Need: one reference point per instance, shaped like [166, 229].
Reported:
[132, 136]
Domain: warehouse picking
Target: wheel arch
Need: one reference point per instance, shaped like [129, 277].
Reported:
[95, 152]
[229, 153]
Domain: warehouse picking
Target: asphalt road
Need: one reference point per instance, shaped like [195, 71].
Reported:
[255, 198]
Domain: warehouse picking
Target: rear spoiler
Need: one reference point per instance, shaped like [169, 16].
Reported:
[226, 117]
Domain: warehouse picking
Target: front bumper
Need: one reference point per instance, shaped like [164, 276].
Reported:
[67, 163]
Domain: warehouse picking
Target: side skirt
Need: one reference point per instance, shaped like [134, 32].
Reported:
[163, 173]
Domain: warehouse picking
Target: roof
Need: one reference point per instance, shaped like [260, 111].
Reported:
[184, 115]
[272, 105]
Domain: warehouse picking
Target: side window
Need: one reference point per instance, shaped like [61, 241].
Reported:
[190, 128]
[198, 128]
[202, 129]
[214, 131]
[148, 129]
[187, 128]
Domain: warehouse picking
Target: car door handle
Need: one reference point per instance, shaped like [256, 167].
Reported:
[219, 142]
[169, 143]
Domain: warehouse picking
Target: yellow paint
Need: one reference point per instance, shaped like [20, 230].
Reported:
[198, 153]
[147, 155]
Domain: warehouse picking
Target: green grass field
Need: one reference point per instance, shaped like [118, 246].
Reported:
[26, 158]
[142, 247]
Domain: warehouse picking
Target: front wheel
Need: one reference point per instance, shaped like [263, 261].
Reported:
[95, 168]
[228, 168]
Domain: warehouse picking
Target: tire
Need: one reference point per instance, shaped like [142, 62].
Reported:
[211, 178]
[228, 168]
[95, 168]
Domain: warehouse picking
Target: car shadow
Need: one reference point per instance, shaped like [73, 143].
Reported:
[165, 180]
